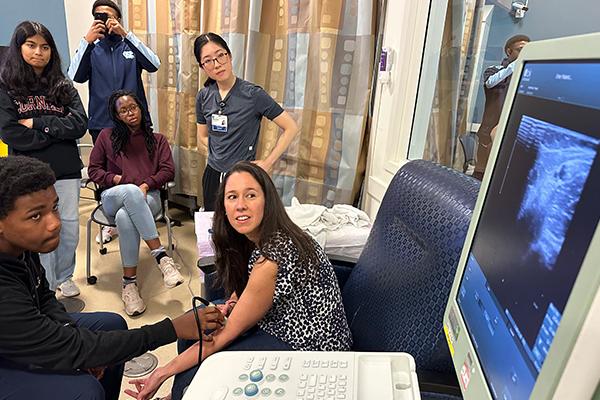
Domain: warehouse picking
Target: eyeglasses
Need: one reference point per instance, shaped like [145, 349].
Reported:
[221, 58]
[131, 109]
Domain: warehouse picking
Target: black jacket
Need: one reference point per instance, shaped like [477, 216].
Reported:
[53, 138]
[36, 331]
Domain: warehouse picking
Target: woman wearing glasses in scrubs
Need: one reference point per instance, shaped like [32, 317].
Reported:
[228, 115]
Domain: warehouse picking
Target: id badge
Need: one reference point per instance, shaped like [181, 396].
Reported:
[219, 123]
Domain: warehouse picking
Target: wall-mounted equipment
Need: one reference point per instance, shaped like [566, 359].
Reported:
[386, 59]
[519, 8]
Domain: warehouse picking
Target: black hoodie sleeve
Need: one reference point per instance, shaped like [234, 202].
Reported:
[49, 305]
[71, 126]
[30, 337]
[18, 136]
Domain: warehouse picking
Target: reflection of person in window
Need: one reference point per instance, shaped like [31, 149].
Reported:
[496, 80]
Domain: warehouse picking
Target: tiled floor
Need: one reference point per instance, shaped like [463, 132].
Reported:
[105, 295]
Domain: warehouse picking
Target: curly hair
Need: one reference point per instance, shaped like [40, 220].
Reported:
[20, 176]
[120, 133]
[19, 79]
[233, 249]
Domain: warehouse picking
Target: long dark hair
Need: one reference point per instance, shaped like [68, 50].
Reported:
[199, 44]
[233, 249]
[120, 133]
[19, 79]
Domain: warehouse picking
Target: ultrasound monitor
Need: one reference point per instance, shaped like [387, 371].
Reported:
[523, 317]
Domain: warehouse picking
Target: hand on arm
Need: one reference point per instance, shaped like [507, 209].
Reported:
[185, 327]
[71, 126]
[254, 303]
[290, 130]
[15, 133]
[27, 122]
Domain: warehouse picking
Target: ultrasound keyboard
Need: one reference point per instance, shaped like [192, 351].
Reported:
[249, 375]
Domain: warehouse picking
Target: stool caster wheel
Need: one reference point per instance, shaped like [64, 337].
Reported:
[103, 251]
[176, 223]
[173, 246]
[92, 280]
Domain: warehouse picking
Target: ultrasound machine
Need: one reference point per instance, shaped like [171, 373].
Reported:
[523, 317]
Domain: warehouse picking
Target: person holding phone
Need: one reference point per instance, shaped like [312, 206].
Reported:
[110, 58]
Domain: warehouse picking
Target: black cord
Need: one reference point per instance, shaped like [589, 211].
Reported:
[206, 303]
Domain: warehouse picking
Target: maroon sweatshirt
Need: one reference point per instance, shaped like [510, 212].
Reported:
[133, 163]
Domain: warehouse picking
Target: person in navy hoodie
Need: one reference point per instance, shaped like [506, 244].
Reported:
[41, 116]
[111, 59]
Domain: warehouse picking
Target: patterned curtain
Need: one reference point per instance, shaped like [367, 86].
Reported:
[455, 73]
[313, 57]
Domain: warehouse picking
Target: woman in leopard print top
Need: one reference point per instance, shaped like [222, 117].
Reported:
[307, 311]
[279, 279]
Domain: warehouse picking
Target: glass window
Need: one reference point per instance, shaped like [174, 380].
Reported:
[465, 48]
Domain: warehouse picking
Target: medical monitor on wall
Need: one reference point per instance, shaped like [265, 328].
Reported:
[523, 317]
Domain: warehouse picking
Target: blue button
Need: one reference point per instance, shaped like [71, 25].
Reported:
[251, 390]
[256, 375]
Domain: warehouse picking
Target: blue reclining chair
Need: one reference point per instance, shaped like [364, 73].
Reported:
[396, 294]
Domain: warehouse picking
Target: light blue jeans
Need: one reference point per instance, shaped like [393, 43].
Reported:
[134, 216]
[60, 264]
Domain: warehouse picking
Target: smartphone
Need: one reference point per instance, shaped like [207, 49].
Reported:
[101, 16]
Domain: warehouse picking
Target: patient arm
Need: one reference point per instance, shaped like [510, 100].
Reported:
[256, 300]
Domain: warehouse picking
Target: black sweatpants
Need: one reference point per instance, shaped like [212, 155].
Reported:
[210, 186]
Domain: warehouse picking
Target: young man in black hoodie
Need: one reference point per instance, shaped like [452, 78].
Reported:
[44, 351]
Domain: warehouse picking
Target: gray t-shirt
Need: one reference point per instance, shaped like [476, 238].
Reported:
[244, 106]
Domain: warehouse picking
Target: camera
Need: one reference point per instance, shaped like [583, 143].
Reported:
[101, 16]
[519, 9]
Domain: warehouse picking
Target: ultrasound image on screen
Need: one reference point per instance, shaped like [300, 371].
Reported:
[538, 218]
[554, 183]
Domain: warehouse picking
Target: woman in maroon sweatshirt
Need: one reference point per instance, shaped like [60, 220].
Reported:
[130, 163]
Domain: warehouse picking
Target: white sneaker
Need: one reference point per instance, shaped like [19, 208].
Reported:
[134, 305]
[170, 271]
[108, 233]
[68, 288]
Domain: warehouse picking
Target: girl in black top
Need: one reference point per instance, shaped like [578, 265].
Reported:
[41, 116]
